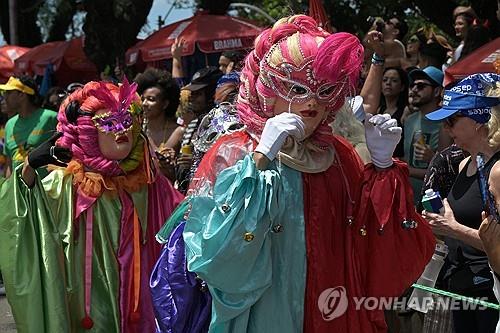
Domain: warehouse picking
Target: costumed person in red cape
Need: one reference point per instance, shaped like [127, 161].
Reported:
[78, 246]
[285, 225]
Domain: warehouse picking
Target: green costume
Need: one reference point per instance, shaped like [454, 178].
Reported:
[43, 253]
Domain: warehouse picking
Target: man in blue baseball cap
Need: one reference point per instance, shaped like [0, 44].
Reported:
[422, 137]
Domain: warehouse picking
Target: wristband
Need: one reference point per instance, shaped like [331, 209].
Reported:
[377, 60]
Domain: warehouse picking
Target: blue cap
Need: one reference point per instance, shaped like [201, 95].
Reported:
[429, 73]
[469, 98]
[231, 77]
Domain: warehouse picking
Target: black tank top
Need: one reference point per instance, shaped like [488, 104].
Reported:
[465, 200]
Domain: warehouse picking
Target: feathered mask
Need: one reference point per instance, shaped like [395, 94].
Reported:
[118, 119]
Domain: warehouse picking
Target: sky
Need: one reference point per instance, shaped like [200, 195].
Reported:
[159, 8]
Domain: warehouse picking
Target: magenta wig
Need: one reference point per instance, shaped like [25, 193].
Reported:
[296, 51]
[81, 135]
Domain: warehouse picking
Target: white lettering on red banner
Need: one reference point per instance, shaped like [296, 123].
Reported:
[228, 44]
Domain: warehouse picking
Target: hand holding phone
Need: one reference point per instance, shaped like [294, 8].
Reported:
[489, 201]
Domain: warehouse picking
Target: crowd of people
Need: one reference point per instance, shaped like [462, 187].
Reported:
[232, 200]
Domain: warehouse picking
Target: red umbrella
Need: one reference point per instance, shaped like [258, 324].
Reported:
[317, 12]
[69, 62]
[9, 53]
[212, 33]
[483, 60]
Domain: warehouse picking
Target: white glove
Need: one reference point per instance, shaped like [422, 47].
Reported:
[382, 136]
[357, 107]
[276, 130]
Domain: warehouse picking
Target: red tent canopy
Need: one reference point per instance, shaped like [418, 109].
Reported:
[70, 64]
[481, 60]
[9, 53]
[212, 33]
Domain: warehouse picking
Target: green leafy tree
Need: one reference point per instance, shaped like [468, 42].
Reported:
[351, 15]
[111, 27]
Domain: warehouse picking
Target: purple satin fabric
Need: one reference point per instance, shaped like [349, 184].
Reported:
[180, 303]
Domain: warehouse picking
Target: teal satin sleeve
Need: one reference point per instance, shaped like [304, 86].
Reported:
[231, 244]
[243, 205]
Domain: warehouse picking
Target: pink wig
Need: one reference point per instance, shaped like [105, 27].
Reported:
[81, 136]
[296, 46]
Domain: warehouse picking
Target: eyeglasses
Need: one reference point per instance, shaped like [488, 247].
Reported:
[451, 121]
[420, 85]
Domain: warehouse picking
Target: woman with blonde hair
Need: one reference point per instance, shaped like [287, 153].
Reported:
[467, 111]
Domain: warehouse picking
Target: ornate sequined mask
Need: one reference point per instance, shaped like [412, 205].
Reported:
[117, 123]
[119, 119]
[219, 121]
[298, 84]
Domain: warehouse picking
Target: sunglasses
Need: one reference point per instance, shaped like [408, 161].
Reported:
[451, 121]
[420, 85]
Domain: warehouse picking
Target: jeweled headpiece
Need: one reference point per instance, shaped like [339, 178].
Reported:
[296, 60]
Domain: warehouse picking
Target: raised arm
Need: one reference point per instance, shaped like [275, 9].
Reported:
[176, 50]
[373, 85]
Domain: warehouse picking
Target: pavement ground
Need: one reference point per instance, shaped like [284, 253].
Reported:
[7, 324]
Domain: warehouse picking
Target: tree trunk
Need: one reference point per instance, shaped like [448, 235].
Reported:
[27, 30]
[4, 20]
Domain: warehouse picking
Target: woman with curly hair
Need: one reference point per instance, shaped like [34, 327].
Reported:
[77, 247]
[160, 99]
